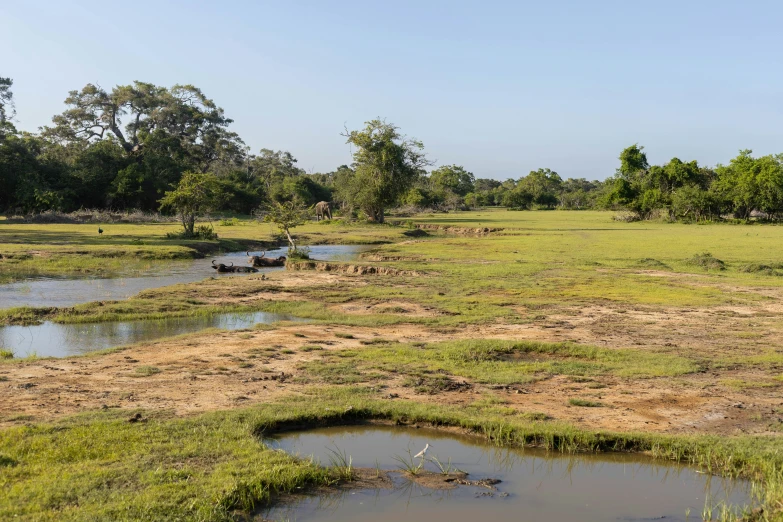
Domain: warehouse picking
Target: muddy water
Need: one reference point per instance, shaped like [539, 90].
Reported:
[68, 292]
[536, 486]
[61, 340]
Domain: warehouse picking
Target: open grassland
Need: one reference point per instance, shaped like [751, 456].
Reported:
[563, 329]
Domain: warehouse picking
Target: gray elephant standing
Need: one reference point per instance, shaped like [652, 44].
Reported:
[323, 210]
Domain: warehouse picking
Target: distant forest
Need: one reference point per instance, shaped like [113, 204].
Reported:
[126, 148]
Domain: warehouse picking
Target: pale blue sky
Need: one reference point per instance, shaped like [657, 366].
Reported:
[499, 87]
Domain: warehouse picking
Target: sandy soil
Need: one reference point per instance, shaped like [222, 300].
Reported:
[216, 371]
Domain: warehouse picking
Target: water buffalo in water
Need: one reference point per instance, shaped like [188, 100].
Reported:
[245, 269]
[231, 269]
[265, 261]
[323, 210]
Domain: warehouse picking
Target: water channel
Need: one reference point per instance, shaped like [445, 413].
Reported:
[61, 340]
[68, 292]
[536, 485]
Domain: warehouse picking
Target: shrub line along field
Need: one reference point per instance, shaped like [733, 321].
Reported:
[563, 329]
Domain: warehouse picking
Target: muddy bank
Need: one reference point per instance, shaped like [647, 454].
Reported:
[381, 258]
[462, 231]
[342, 268]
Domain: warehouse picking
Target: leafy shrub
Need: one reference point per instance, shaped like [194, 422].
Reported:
[652, 263]
[706, 261]
[299, 254]
[205, 232]
[756, 268]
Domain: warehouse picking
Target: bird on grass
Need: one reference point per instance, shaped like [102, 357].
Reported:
[100, 231]
[422, 453]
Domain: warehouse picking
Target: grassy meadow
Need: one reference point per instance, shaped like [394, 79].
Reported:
[572, 305]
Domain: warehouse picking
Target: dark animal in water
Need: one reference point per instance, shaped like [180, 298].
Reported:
[231, 269]
[265, 261]
[220, 267]
[100, 231]
[323, 210]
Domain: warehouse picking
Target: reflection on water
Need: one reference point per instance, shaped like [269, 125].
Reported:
[68, 292]
[536, 485]
[60, 340]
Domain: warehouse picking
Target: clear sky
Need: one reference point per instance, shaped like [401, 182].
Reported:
[499, 87]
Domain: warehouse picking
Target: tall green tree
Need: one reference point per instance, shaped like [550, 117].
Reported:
[453, 178]
[287, 215]
[386, 164]
[544, 185]
[752, 183]
[272, 167]
[196, 194]
[7, 108]
[165, 131]
[633, 160]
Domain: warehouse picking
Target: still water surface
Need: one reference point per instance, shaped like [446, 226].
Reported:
[61, 340]
[540, 486]
[68, 292]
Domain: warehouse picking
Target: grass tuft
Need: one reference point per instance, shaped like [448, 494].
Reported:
[706, 261]
[145, 371]
[584, 403]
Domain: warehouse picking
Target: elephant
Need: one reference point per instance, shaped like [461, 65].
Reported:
[323, 210]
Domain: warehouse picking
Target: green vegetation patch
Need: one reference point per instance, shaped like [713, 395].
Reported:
[145, 371]
[584, 403]
[214, 466]
[757, 268]
[706, 261]
[649, 262]
[512, 362]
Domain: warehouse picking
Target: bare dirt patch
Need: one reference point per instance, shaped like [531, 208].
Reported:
[220, 371]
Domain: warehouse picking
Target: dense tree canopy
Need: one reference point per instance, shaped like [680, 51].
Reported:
[135, 146]
[386, 164]
[196, 194]
[6, 107]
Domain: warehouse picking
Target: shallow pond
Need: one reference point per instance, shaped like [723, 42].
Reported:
[68, 292]
[61, 340]
[536, 485]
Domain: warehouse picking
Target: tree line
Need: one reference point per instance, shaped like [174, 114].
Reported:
[689, 192]
[148, 147]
